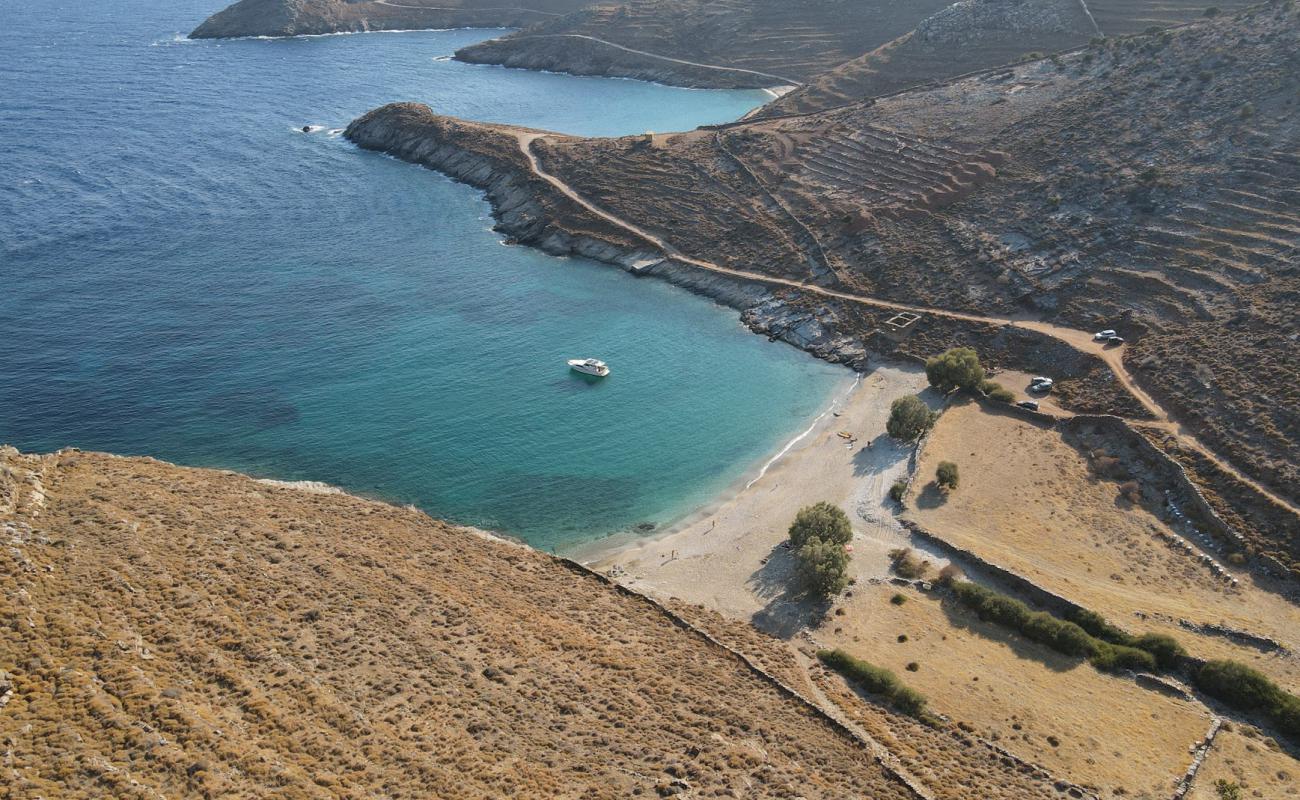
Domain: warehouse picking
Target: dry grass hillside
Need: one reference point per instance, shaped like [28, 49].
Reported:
[1101, 731]
[1145, 184]
[964, 37]
[1076, 516]
[179, 632]
[757, 42]
[980, 34]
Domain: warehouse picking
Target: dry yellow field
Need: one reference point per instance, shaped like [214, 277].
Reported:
[1029, 502]
[1095, 729]
[1259, 768]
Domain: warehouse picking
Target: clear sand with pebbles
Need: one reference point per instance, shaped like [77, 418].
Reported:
[730, 558]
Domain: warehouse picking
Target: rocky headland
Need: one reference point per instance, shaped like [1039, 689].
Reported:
[312, 17]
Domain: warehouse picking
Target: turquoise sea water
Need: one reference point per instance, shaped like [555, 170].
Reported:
[184, 274]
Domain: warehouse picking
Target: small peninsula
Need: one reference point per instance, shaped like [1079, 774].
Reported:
[314, 17]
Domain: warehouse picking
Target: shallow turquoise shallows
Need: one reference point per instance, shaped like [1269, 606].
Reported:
[185, 274]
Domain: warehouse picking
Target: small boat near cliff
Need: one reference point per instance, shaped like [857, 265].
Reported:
[589, 366]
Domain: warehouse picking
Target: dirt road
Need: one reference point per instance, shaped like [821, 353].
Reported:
[1082, 341]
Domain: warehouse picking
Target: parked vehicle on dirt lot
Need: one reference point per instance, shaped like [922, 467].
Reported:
[1029, 404]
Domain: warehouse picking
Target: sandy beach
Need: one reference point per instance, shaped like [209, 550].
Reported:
[732, 559]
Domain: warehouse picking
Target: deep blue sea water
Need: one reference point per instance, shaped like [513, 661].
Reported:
[184, 274]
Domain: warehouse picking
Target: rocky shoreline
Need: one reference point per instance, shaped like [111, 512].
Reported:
[531, 212]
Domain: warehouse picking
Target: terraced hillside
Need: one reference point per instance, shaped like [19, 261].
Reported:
[1118, 17]
[1145, 184]
[979, 34]
[967, 36]
[181, 632]
[300, 17]
[728, 43]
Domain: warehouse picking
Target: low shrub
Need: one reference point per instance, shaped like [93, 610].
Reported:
[1227, 790]
[908, 700]
[907, 565]
[1131, 490]
[1247, 689]
[875, 680]
[950, 573]
[1115, 657]
[898, 599]
[1096, 625]
[1085, 634]
[1166, 649]
[996, 391]
[897, 491]
[946, 475]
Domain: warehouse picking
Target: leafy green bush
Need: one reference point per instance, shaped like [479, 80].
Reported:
[1227, 790]
[1114, 657]
[875, 680]
[996, 391]
[897, 491]
[1166, 649]
[1085, 634]
[908, 700]
[958, 368]
[824, 521]
[1249, 690]
[1096, 625]
[946, 475]
[822, 567]
[907, 565]
[909, 417]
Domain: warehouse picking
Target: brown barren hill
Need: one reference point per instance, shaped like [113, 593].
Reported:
[183, 632]
[1145, 184]
[719, 43]
[306, 17]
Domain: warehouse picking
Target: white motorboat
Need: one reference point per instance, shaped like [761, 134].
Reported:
[589, 366]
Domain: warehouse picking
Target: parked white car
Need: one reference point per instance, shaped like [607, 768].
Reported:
[1103, 336]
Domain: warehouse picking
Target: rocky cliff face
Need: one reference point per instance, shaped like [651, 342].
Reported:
[307, 17]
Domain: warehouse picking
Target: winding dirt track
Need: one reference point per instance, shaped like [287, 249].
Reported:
[1082, 341]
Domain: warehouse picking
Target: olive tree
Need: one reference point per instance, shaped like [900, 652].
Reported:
[958, 368]
[909, 417]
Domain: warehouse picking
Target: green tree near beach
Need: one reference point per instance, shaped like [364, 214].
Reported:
[958, 368]
[909, 417]
[819, 534]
